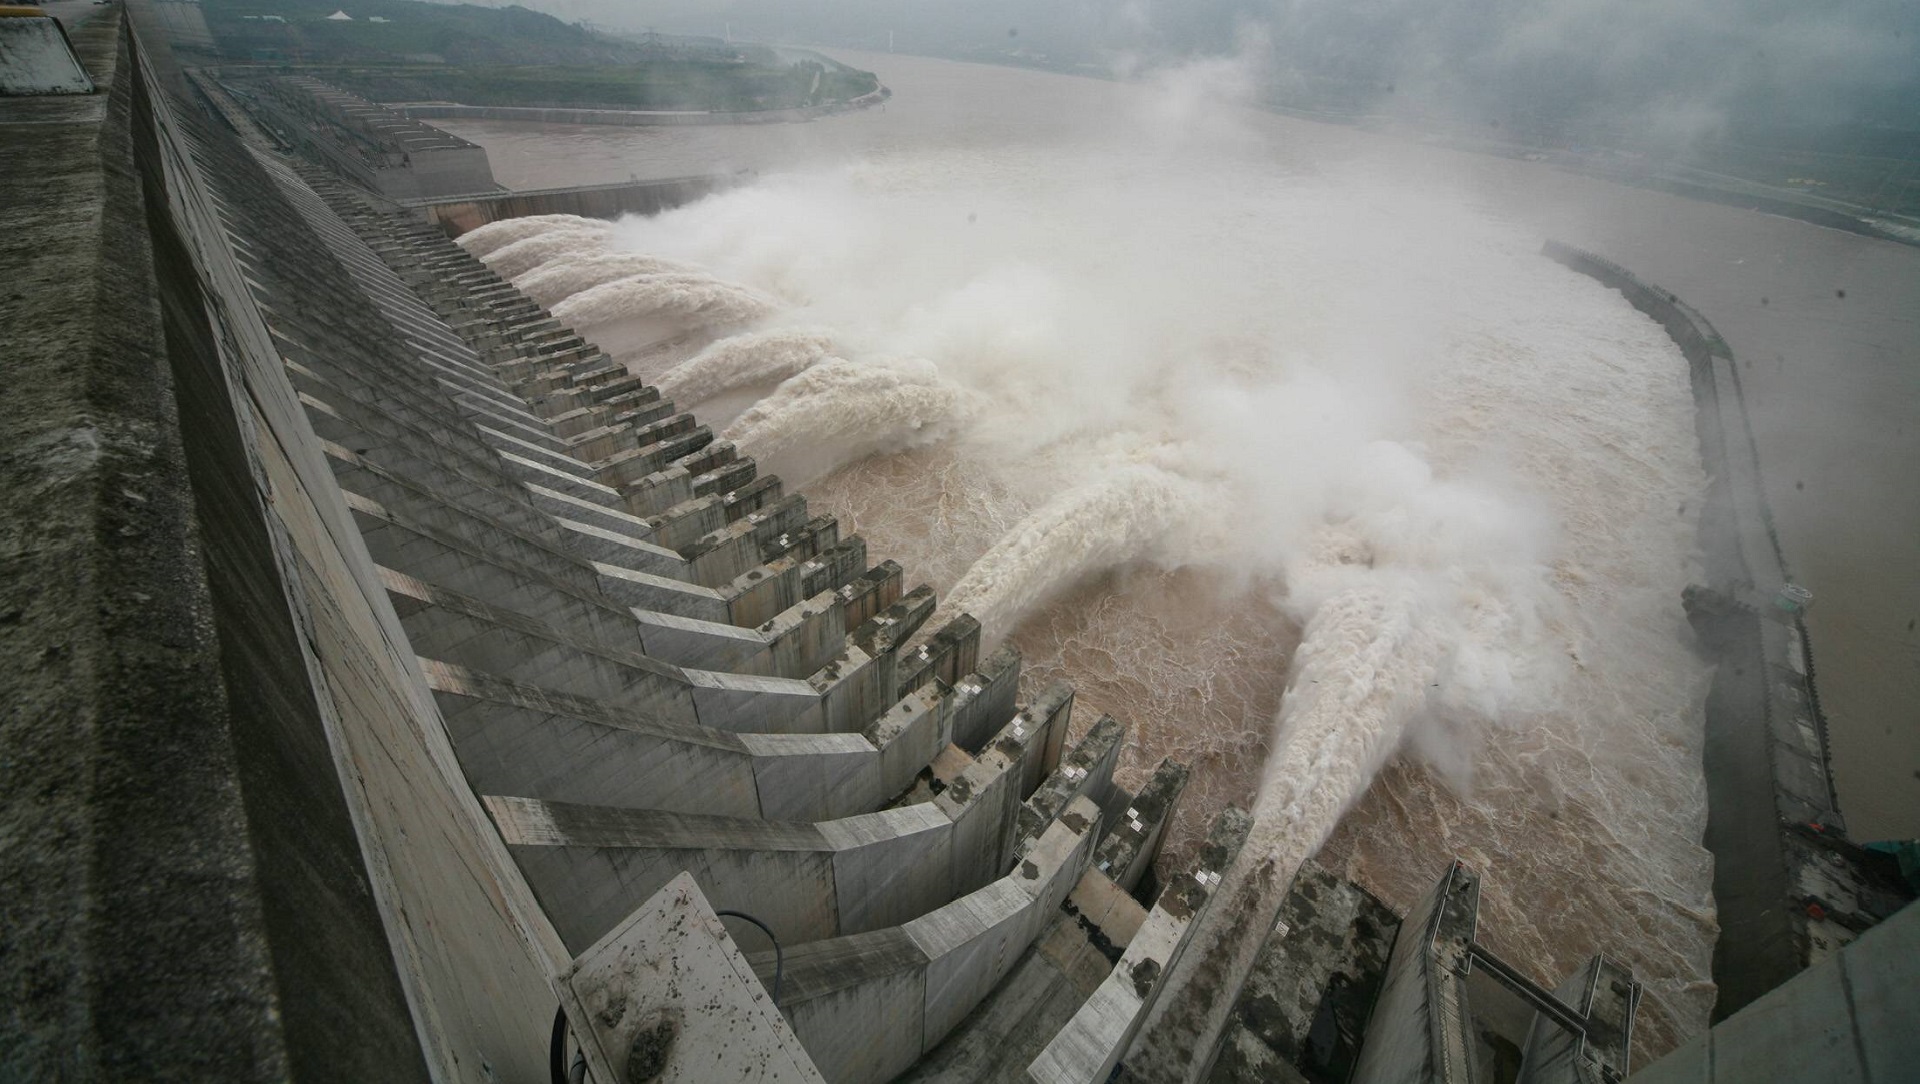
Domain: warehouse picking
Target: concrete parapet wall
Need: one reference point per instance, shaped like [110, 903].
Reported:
[1085, 772]
[286, 876]
[1135, 833]
[1852, 1018]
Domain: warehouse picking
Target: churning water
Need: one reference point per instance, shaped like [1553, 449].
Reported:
[1290, 468]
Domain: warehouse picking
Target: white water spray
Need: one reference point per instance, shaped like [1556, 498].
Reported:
[555, 282]
[1365, 408]
[747, 360]
[839, 410]
[1092, 527]
[484, 241]
[520, 257]
[699, 300]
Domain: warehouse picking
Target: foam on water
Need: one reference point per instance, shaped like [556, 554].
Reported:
[1190, 429]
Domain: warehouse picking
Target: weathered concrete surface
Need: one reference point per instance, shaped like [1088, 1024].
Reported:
[387, 151]
[1420, 1029]
[1135, 832]
[36, 58]
[1030, 1006]
[635, 988]
[452, 905]
[1175, 1042]
[172, 811]
[593, 865]
[1851, 1018]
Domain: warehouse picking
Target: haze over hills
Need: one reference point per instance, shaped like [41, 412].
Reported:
[405, 50]
[1823, 98]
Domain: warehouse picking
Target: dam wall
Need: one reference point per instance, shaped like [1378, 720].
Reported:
[1789, 887]
[458, 214]
[633, 118]
[246, 848]
[398, 686]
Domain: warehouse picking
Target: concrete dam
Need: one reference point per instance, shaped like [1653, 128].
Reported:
[401, 689]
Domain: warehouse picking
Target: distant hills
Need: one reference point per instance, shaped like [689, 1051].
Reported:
[407, 50]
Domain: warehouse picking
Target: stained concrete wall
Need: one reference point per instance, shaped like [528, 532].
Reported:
[1088, 1048]
[457, 216]
[117, 743]
[592, 865]
[37, 58]
[634, 986]
[1419, 1031]
[1852, 1019]
[1305, 1007]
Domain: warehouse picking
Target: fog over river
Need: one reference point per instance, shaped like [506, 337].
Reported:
[1280, 441]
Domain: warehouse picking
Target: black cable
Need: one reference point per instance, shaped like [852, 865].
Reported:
[557, 1049]
[779, 958]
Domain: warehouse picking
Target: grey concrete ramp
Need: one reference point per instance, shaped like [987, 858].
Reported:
[676, 939]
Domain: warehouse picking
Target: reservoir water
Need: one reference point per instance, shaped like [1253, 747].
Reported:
[1284, 445]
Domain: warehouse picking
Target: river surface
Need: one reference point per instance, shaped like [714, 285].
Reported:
[1190, 402]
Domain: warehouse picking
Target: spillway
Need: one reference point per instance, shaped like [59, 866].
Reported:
[1270, 387]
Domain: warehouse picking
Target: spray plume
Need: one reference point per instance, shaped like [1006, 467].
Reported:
[747, 360]
[520, 257]
[557, 281]
[483, 241]
[839, 410]
[699, 300]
